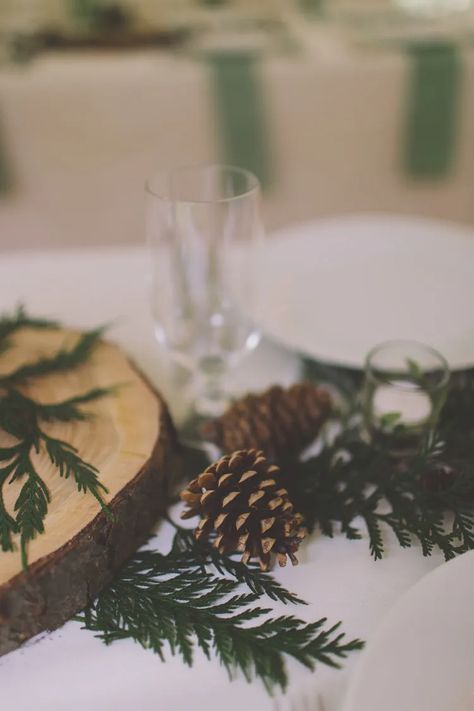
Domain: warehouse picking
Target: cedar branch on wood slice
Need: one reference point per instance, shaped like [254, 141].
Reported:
[129, 437]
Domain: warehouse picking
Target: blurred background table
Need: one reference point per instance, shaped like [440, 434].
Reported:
[323, 118]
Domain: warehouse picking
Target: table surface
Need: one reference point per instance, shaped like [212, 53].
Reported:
[337, 577]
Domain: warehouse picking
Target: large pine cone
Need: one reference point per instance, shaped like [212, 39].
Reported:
[241, 500]
[281, 422]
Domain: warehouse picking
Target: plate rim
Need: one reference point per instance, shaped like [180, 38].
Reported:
[387, 623]
[463, 231]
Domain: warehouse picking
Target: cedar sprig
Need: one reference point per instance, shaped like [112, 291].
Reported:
[332, 489]
[31, 505]
[22, 418]
[20, 319]
[64, 360]
[201, 555]
[69, 410]
[31, 508]
[426, 497]
[8, 525]
[68, 463]
[161, 604]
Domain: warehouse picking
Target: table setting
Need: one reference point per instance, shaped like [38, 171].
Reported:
[236, 468]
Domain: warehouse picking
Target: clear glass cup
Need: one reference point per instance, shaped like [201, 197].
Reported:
[405, 387]
[204, 229]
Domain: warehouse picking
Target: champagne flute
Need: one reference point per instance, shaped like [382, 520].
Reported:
[204, 229]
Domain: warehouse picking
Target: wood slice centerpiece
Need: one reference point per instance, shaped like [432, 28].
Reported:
[129, 437]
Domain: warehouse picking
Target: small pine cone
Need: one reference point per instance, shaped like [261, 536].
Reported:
[242, 501]
[279, 421]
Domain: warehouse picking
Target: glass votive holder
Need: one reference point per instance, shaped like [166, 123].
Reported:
[405, 388]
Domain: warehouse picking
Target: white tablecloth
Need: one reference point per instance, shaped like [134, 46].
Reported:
[70, 669]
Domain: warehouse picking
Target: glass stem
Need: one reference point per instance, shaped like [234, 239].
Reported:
[212, 399]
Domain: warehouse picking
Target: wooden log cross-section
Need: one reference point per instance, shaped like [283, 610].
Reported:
[129, 437]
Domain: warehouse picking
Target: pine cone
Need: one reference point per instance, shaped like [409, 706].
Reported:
[241, 500]
[279, 421]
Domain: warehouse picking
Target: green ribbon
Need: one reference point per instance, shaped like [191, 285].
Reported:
[240, 111]
[6, 176]
[311, 7]
[433, 109]
[85, 12]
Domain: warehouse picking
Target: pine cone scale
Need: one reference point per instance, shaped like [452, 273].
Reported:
[205, 481]
[267, 523]
[248, 475]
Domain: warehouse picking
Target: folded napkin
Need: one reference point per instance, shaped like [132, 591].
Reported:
[311, 7]
[240, 110]
[6, 176]
[434, 98]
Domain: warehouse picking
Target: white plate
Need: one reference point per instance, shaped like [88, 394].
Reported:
[336, 287]
[421, 658]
